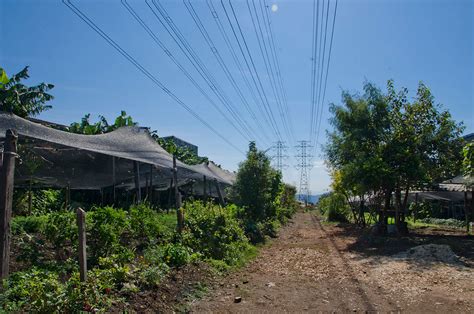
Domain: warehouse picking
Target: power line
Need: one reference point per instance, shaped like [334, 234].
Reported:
[179, 65]
[167, 22]
[327, 68]
[222, 64]
[277, 64]
[261, 92]
[266, 60]
[321, 105]
[313, 65]
[143, 70]
[239, 65]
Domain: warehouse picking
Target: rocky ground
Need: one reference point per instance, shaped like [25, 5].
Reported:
[314, 266]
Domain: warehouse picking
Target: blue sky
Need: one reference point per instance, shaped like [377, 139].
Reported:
[408, 41]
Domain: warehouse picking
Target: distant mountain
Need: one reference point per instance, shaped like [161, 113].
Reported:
[312, 198]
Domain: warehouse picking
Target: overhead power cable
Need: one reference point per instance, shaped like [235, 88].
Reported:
[327, 67]
[179, 65]
[143, 70]
[167, 22]
[202, 29]
[266, 60]
[263, 5]
[237, 62]
[253, 70]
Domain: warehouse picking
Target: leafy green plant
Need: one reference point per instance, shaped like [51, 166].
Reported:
[334, 206]
[106, 227]
[214, 231]
[22, 100]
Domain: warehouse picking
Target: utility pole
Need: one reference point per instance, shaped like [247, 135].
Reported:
[304, 165]
[279, 156]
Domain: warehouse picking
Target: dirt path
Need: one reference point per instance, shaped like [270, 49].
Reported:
[308, 268]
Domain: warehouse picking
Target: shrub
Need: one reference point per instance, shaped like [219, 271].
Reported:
[28, 224]
[146, 224]
[214, 231]
[176, 254]
[106, 225]
[335, 207]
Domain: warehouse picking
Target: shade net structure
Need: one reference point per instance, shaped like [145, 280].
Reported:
[55, 158]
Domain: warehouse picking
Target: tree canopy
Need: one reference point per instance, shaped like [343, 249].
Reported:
[24, 101]
[383, 143]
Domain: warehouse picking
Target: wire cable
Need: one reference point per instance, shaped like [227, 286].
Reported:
[143, 70]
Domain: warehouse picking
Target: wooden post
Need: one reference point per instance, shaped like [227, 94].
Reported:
[204, 189]
[219, 193]
[150, 193]
[466, 211]
[81, 224]
[6, 197]
[169, 196]
[177, 197]
[67, 198]
[136, 169]
[113, 179]
[416, 207]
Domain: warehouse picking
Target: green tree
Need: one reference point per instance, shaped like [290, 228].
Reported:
[258, 186]
[384, 144]
[468, 164]
[102, 126]
[24, 101]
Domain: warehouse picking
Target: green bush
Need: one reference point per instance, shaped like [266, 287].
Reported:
[176, 254]
[146, 224]
[28, 224]
[106, 227]
[334, 206]
[214, 231]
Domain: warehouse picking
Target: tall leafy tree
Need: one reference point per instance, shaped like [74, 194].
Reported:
[258, 186]
[22, 100]
[382, 143]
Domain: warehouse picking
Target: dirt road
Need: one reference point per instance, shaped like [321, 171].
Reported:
[311, 267]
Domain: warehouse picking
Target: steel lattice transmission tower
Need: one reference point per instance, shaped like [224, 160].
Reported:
[304, 165]
[279, 156]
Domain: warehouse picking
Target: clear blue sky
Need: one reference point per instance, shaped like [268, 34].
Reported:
[408, 41]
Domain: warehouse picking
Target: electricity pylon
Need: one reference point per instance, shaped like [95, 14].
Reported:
[304, 165]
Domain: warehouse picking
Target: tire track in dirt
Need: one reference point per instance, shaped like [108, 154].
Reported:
[301, 271]
[369, 296]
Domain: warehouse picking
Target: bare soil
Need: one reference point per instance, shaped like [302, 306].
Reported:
[319, 267]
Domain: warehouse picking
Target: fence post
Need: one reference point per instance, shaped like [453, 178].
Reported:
[81, 224]
[204, 188]
[177, 197]
[136, 169]
[6, 196]
[219, 193]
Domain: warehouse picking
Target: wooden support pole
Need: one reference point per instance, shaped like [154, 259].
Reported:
[136, 169]
[67, 198]
[150, 193]
[6, 197]
[177, 197]
[416, 207]
[81, 224]
[219, 193]
[114, 183]
[204, 188]
[466, 211]
[170, 195]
